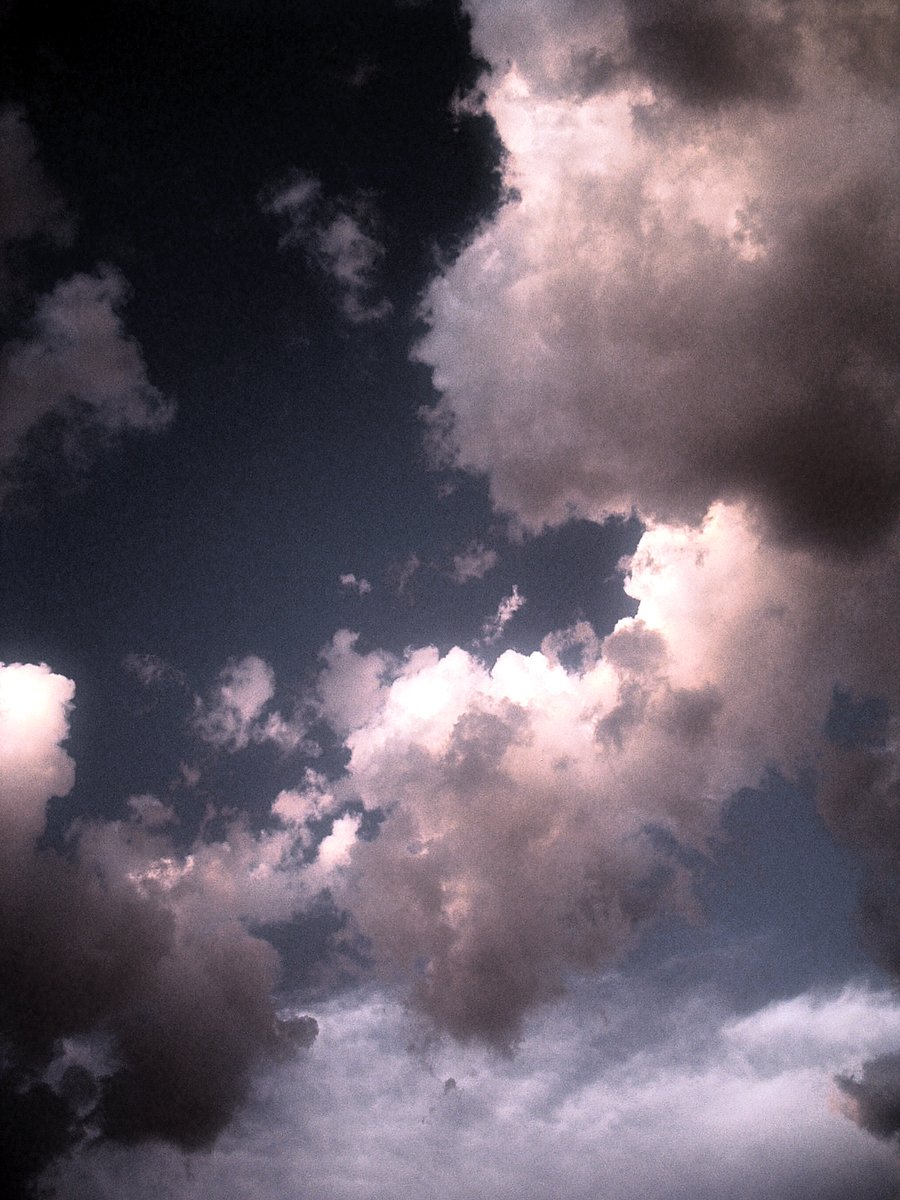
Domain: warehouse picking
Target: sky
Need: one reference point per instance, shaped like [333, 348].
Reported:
[449, 654]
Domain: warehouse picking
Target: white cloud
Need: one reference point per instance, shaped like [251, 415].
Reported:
[493, 628]
[659, 1124]
[361, 586]
[663, 318]
[34, 719]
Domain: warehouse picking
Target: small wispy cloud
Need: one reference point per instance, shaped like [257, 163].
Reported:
[351, 583]
[473, 563]
[153, 671]
[492, 629]
[338, 235]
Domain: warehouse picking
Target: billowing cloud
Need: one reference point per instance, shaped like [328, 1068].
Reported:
[534, 810]
[574, 1113]
[77, 364]
[688, 310]
[524, 802]
[114, 942]
[694, 296]
[339, 236]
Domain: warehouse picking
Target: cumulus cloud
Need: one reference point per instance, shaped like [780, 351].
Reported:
[233, 716]
[523, 801]
[117, 941]
[339, 236]
[688, 311]
[694, 297]
[361, 586]
[473, 563]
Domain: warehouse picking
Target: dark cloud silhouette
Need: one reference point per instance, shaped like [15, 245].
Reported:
[99, 944]
[715, 53]
[875, 1095]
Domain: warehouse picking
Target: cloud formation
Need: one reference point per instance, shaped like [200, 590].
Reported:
[688, 310]
[79, 364]
[567, 1116]
[233, 715]
[694, 296]
[528, 805]
[338, 236]
[361, 586]
[74, 364]
[30, 205]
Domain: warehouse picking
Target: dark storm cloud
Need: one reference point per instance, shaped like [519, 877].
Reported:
[713, 53]
[706, 55]
[875, 1096]
[102, 944]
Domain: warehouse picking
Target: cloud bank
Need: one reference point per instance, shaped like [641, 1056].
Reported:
[694, 296]
[688, 310]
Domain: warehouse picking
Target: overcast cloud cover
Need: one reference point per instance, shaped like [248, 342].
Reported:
[554, 848]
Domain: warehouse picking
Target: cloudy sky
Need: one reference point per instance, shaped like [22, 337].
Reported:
[449, 624]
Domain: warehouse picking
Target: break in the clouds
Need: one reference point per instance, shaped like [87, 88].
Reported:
[338, 236]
